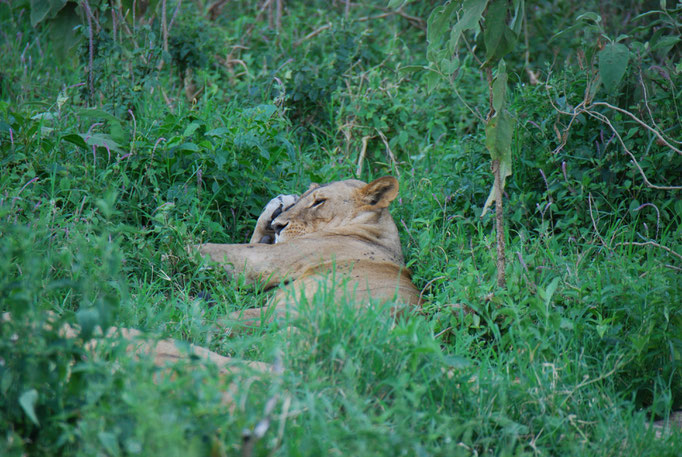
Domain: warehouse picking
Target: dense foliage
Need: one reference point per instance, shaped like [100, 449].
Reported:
[126, 135]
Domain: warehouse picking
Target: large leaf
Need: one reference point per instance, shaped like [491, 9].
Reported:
[498, 136]
[438, 22]
[613, 61]
[500, 87]
[101, 140]
[63, 29]
[472, 11]
[44, 9]
[499, 38]
[495, 24]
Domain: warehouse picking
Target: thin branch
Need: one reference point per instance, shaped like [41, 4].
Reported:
[175, 13]
[606, 121]
[640, 122]
[361, 157]
[313, 34]
[648, 108]
[164, 26]
[428, 284]
[594, 223]
[650, 243]
[389, 152]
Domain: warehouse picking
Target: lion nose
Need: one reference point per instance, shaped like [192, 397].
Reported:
[278, 227]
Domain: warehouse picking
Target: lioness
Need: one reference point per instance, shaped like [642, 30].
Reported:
[338, 235]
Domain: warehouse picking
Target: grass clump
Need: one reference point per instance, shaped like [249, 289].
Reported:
[184, 142]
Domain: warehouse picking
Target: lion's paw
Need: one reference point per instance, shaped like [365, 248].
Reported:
[264, 232]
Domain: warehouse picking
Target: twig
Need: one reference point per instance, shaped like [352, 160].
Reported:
[594, 223]
[389, 152]
[639, 121]
[278, 16]
[282, 421]
[91, 84]
[499, 229]
[164, 26]
[361, 157]
[606, 121]
[313, 34]
[649, 243]
[648, 108]
[428, 284]
[251, 437]
[175, 13]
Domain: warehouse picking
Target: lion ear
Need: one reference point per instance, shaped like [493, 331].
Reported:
[380, 192]
[313, 186]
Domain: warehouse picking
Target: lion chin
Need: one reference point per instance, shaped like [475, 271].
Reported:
[338, 236]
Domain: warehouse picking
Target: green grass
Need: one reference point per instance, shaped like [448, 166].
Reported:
[577, 356]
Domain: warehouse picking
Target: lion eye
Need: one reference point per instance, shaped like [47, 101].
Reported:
[318, 202]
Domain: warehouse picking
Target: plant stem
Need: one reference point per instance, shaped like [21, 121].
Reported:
[499, 219]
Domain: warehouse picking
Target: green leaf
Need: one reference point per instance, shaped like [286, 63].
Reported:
[220, 132]
[62, 29]
[27, 400]
[494, 26]
[500, 87]
[44, 9]
[75, 139]
[189, 147]
[396, 4]
[438, 22]
[549, 291]
[519, 16]
[432, 79]
[191, 128]
[449, 66]
[589, 16]
[109, 442]
[101, 140]
[613, 61]
[472, 11]
[498, 136]
[88, 318]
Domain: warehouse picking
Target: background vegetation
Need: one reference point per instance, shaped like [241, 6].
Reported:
[131, 129]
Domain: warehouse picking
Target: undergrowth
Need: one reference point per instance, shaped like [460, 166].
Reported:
[102, 188]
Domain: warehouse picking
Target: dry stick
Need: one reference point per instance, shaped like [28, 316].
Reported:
[640, 122]
[428, 284]
[282, 421]
[91, 84]
[389, 152]
[606, 121]
[113, 22]
[251, 437]
[499, 222]
[417, 21]
[580, 108]
[361, 157]
[278, 17]
[175, 13]
[646, 103]
[650, 243]
[501, 260]
[164, 26]
[313, 34]
[594, 223]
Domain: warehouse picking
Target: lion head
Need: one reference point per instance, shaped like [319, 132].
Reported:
[336, 206]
